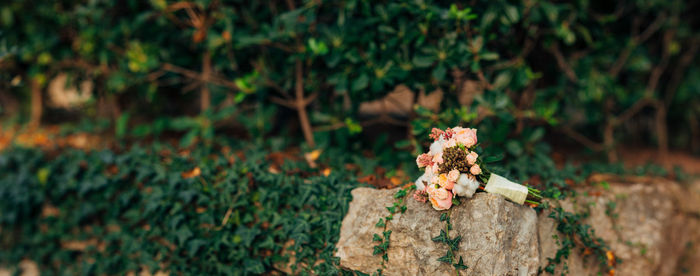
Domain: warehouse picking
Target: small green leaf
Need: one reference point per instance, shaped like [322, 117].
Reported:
[460, 265]
[400, 193]
[360, 83]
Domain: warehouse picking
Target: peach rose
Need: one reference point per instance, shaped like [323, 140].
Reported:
[433, 169]
[471, 158]
[437, 159]
[453, 175]
[445, 182]
[475, 170]
[466, 136]
[441, 199]
[450, 143]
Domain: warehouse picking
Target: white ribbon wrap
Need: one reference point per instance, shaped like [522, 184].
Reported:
[500, 185]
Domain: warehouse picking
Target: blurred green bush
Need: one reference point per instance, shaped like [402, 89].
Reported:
[580, 68]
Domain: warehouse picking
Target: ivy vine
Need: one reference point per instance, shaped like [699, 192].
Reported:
[383, 247]
[452, 244]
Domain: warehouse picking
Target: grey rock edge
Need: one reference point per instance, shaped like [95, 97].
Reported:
[654, 228]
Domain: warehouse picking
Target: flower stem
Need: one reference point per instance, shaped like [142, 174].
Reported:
[532, 202]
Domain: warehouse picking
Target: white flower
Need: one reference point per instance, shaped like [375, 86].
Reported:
[437, 146]
[466, 185]
[425, 178]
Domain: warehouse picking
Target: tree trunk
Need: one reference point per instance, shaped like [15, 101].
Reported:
[301, 107]
[205, 97]
[609, 141]
[8, 104]
[662, 133]
[36, 104]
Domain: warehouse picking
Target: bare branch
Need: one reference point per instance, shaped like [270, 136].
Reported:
[636, 40]
[198, 76]
[562, 63]
[283, 102]
[678, 73]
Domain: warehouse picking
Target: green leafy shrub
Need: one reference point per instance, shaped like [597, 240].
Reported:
[583, 69]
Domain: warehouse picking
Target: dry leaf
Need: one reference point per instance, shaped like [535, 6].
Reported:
[273, 169]
[82, 245]
[49, 211]
[193, 173]
[431, 101]
[611, 258]
[311, 157]
[326, 172]
[397, 102]
[470, 89]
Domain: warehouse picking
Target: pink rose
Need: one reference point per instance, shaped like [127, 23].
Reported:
[444, 182]
[475, 170]
[472, 135]
[466, 136]
[453, 175]
[424, 160]
[471, 158]
[438, 158]
[420, 196]
[433, 169]
[441, 199]
[450, 143]
[429, 188]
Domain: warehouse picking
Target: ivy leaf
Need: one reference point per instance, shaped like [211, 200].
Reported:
[454, 244]
[447, 258]
[377, 250]
[441, 238]
[380, 223]
[376, 237]
[460, 265]
[387, 234]
[443, 217]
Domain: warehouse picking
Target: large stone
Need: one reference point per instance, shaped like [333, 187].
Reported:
[639, 221]
[649, 223]
[498, 237]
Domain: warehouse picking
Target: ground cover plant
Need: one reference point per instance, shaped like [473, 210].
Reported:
[225, 210]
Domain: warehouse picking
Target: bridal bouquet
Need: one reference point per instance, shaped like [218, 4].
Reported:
[453, 168]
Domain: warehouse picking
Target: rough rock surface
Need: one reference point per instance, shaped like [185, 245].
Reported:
[644, 228]
[498, 237]
[653, 226]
